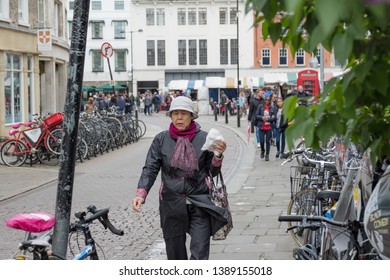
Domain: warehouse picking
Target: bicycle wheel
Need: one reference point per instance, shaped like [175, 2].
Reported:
[142, 128]
[82, 149]
[303, 203]
[47, 157]
[14, 153]
[54, 140]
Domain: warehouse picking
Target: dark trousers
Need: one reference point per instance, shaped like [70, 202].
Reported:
[265, 137]
[199, 231]
[280, 140]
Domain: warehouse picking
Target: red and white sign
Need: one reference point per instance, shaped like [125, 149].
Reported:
[44, 40]
[107, 50]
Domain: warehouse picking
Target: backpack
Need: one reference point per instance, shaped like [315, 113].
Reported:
[102, 105]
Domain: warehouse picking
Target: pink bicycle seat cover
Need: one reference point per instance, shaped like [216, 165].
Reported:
[30, 123]
[32, 222]
[12, 132]
[16, 125]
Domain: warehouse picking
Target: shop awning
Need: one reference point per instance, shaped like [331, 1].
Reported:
[178, 85]
[195, 84]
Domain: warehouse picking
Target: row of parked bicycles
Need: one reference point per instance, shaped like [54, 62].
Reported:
[39, 141]
[340, 203]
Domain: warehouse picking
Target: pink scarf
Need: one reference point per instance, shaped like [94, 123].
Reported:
[184, 156]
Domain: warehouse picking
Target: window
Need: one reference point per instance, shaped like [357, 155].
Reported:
[71, 5]
[13, 88]
[202, 14]
[318, 55]
[151, 53]
[192, 52]
[222, 15]
[149, 16]
[23, 11]
[283, 57]
[120, 60]
[233, 51]
[182, 52]
[181, 16]
[96, 5]
[203, 52]
[41, 13]
[265, 57]
[4, 9]
[160, 13]
[233, 15]
[300, 57]
[97, 29]
[119, 5]
[30, 87]
[160, 52]
[119, 29]
[70, 26]
[223, 50]
[192, 16]
[97, 61]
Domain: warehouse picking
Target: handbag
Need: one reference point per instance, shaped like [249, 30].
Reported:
[219, 196]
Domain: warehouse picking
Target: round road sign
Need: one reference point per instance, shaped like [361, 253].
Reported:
[106, 50]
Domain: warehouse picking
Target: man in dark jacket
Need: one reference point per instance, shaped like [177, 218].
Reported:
[185, 203]
[253, 105]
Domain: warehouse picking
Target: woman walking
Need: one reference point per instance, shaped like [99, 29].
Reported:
[185, 204]
[265, 115]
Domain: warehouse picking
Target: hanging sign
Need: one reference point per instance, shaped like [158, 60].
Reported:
[44, 40]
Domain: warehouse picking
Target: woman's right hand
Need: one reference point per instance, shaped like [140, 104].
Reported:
[137, 202]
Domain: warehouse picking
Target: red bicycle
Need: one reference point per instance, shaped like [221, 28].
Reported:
[42, 140]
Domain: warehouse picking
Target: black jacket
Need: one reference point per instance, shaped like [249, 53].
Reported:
[260, 115]
[254, 104]
[177, 187]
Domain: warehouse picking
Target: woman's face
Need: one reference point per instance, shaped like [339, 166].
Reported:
[280, 103]
[181, 119]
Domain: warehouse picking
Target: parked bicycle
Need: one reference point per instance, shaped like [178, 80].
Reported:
[38, 238]
[43, 139]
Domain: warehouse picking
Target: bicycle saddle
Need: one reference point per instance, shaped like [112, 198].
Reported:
[32, 222]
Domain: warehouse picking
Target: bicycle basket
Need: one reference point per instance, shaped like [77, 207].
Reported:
[54, 119]
[301, 177]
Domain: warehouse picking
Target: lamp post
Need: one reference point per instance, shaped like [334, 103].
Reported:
[132, 61]
[238, 71]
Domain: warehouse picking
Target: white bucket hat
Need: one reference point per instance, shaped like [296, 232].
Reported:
[182, 103]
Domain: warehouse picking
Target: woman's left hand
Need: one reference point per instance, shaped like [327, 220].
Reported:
[219, 148]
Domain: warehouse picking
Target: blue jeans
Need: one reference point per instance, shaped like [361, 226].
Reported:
[265, 137]
[257, 134]
[280, 140]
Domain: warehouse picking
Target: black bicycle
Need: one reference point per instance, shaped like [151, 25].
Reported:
[38, 239]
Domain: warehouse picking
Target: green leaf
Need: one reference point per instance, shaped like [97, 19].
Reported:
[379, 80]
[343, 43]
[264, 29]
[275, 29]
[380, 14]
[329, 12]
[289, 106]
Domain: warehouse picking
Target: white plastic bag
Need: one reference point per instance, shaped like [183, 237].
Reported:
[212, 138]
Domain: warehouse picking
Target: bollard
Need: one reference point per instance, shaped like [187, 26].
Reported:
[238, 116]
[226, 114]
[215, 111]
[252, 127]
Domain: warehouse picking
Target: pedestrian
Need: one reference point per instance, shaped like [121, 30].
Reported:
[281, 125]
[242, 103]
[254, 104]
[89, 107]
[185, 203]
[303, 96]
[265, 115]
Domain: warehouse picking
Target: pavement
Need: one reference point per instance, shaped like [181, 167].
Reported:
[259, 192]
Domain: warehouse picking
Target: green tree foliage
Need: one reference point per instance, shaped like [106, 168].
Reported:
[356, 106]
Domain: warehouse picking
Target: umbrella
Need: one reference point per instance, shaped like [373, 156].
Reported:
[108, 87]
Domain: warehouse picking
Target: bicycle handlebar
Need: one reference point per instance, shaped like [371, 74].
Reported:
[100, 215]
[302, 218]
[301, 152]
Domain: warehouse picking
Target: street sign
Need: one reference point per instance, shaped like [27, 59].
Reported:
[107, 50]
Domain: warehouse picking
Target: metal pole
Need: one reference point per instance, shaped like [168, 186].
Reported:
[322, 68]
[132, 62]
[215, 111]
[112, 80]
[238, 70]
[70, 126]
[226, 113]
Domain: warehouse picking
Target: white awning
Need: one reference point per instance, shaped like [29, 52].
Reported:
[178, 85]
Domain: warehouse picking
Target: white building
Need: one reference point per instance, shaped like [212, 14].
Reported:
[173, 41]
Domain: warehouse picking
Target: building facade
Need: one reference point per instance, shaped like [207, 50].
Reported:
[34, 54]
